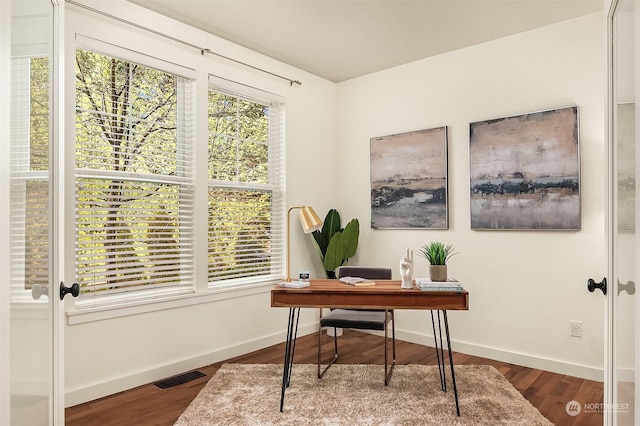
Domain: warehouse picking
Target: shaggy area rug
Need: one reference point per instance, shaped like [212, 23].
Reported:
[249, 394]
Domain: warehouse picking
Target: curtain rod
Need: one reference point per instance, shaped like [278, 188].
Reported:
[202, 50]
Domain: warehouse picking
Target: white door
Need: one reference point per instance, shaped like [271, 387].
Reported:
[621, 390]
[35, 252]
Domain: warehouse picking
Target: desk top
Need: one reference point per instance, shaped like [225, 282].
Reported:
[386, 294]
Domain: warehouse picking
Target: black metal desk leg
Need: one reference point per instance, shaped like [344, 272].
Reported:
[439, 351]
[289, 349]
[453, 374]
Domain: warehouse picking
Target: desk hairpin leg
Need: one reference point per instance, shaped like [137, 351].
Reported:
[439, 351]
[289, 350]
[440, 355]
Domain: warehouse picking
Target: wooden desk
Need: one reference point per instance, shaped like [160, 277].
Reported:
[384, 295]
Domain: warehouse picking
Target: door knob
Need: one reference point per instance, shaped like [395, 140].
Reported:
[629, 287]
[37, 290]
[602, 285]
[74, 290]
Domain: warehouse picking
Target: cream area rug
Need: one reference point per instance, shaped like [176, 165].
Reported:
[249, 394]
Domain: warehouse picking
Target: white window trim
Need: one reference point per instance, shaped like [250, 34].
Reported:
[80, 311]
[81, 315]
[111, 50]
[276, 188]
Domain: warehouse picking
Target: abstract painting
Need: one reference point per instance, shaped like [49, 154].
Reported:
[525, 171]
[409, 180]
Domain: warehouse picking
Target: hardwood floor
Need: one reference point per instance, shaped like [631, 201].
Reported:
[150, 405]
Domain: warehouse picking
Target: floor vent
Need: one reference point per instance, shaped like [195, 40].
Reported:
[179, 379]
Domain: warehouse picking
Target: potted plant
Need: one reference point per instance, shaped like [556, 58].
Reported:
[437, 253]
[336, 244]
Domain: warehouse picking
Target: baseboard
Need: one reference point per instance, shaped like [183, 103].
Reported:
[626, 375]
[525, 360]
[99, 390]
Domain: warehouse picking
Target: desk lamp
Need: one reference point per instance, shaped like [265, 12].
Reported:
[310, 222]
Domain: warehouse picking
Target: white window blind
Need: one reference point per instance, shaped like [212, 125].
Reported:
[246, 186]
[133, 176]
[29, 138]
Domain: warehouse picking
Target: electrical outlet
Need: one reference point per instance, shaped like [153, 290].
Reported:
[576, 328]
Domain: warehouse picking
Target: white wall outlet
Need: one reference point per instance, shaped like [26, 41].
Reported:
[576, 328]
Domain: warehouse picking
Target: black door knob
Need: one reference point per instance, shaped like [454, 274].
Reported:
[74, 290]
[602, 285]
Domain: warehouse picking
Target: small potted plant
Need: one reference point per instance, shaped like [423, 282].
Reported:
[437, 253]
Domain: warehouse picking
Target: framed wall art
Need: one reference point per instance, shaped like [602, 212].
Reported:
[409, 180]
[525, 171]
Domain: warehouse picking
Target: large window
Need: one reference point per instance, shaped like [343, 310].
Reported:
[29, 175]
[246, 207]
[135, 197]
[133, 177]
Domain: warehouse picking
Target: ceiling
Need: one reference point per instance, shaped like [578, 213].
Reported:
[342, 39]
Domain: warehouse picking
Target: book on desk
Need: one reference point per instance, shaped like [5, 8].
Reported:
[357, 281]
[426, 284]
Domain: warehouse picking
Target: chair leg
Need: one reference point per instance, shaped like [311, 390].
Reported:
[386, 376]
[319, 345]
[335, 352]
[393, 336]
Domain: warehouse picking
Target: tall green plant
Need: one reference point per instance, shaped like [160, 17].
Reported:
[336, 244]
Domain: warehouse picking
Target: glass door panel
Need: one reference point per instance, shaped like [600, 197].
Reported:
[624, 171]
[31, 291]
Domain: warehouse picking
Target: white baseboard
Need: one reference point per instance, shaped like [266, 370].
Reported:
[99, 390]
[626, 375]
[525, 360]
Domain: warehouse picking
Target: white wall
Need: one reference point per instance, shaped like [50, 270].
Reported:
[109, 355]
[525, 286]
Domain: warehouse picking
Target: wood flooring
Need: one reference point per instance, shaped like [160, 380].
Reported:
[150, 405]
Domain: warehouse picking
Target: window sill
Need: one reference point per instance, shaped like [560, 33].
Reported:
[84, 314]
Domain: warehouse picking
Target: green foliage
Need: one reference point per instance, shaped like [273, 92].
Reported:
[437, 253]
[239, 218]
[129, 132]
[336, 244]
[126, 116]
[126, 125]
[238, 139]
[36, 220]
[330, 226]
[39, 114]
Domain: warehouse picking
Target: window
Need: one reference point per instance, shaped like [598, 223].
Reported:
[246, 186]
[133, 177]
[29, 175]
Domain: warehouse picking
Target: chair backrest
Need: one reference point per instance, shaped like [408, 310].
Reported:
[365, 272]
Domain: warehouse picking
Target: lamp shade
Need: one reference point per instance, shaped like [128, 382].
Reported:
[309, 220]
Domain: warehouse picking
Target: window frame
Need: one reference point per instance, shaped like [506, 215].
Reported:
[186, 93]
[275, 185]
[90, 309]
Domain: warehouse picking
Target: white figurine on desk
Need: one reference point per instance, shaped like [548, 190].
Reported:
[406, 270]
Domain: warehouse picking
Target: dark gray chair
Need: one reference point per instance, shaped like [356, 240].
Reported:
[359, 319]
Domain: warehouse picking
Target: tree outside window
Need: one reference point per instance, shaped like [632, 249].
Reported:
[133, 177]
